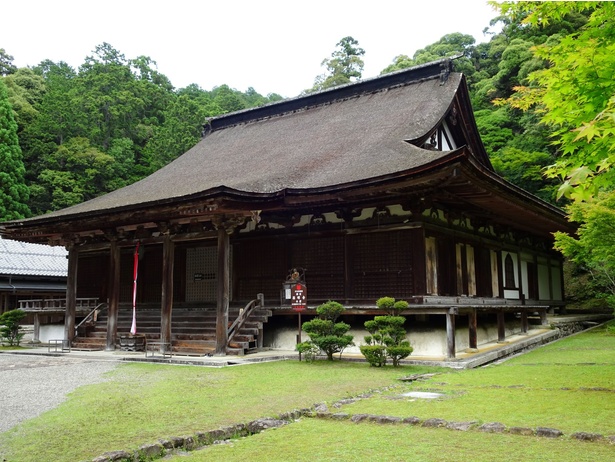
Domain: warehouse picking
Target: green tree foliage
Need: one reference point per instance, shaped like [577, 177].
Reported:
[387, 335]
[59, 116]
[227, 99]
[13, 191]
[76, 172]
[325, 333]
[132, 118]
[593, 246]
[6, 63]
[450, 45]
[344, 66]
[180, 130]
[120, 98]
[575, 94]
[26, 90]
[573, 98]
[9, 332]
[525, 170]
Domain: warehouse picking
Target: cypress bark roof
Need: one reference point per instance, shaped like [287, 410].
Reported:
[346, 138]
[322, 140]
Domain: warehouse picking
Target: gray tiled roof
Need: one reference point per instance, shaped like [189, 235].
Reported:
[24, 259]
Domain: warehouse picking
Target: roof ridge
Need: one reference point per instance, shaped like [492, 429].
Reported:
[416, 74]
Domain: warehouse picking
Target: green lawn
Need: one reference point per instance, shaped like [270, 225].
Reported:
[568, 385]
[313, 440]
[144, 402]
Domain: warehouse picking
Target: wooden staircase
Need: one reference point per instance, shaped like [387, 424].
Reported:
[193, 331]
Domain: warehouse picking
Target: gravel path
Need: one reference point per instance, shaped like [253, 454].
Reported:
[32, 385]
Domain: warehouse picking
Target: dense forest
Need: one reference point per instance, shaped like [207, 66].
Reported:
[542, 90]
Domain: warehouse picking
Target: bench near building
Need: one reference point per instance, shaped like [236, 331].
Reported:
[378, 188]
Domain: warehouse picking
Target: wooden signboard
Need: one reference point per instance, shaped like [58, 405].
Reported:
[298, 297]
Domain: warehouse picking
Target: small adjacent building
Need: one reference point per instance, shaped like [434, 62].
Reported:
[29, 274]
[377, 188]
[30, 271]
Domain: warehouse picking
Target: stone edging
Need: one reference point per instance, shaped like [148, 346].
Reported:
[171, 445]
[491, 427]
[199, 440]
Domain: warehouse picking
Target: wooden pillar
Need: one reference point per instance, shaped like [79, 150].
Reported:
[524, 322]
[501, 327]
[543, 317]
[450, 333]
[520, 276]
[71, 294]
[225, 226]
[472, 327]
[223, 296]
[168, 256]
[36, 337]
[113, 296]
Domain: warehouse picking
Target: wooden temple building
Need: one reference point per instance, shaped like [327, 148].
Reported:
[377, 188]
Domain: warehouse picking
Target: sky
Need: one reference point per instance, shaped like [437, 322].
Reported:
[274, 46]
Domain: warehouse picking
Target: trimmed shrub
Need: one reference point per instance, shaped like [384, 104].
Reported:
[388, 336]
[374, 354]
[9, 332]
[325, 333]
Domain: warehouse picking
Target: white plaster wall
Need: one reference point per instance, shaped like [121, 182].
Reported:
[425, 340]
[51, 331]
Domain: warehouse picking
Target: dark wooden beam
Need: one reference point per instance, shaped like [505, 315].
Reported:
[222, 291]
[501, 327]
[472, 328]
[71, 294]
[113, 295]
[166, 308]
[450, 333]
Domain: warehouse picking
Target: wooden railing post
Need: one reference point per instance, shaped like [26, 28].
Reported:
[259, 339]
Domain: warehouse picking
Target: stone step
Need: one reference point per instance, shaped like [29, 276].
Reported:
[90, 340]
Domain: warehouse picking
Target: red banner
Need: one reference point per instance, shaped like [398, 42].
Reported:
[135, 272]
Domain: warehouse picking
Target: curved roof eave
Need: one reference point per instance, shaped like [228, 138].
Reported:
[241, 196]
